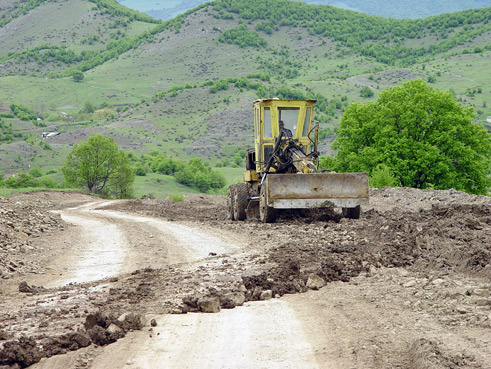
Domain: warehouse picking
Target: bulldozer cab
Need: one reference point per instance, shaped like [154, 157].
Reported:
[270, 116]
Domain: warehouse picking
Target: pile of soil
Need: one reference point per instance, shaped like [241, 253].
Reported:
[21, 221]
[26, 216]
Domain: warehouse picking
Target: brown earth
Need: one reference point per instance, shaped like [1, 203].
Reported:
[408, 284]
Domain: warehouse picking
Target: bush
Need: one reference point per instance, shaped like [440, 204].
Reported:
[176, 198]
[36, 172]
[200, 174]
[382, 177]
[366, 92]
[21, 180]
[48, 182]
[23, 112]
[140, 171]
[242, 36]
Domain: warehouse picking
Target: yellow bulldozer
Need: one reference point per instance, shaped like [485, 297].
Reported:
[282, 169]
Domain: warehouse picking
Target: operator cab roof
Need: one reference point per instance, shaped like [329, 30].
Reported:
[276, 99]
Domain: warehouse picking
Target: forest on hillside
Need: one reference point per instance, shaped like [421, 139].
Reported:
[377, 37]
[380, 38]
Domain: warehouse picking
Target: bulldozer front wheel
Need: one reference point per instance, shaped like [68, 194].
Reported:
[267, 214]
[352, 213]
[230, 202]
[241, 192]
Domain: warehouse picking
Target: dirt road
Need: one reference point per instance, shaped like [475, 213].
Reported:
[253, 336]
[408, 285]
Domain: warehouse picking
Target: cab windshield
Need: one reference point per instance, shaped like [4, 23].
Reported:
[289, 116]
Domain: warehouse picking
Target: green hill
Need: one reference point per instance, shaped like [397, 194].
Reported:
[185, 87]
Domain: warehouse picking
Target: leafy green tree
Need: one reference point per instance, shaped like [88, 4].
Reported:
[423, 136]
[99, 166]
[78, 75]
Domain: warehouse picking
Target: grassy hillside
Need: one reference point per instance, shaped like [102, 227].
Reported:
[186, 87]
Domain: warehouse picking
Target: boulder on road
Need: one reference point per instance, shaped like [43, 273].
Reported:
[209, 304]
[315, 282]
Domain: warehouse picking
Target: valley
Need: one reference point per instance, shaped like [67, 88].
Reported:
[178, 89]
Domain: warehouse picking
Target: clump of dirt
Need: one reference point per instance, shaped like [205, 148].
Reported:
[428, 354]
[101, 329]
[448, 238]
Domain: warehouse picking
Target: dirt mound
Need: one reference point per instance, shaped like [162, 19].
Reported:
[447, 238]
[26, 216]
[19, 223]
[101, 329]
[428, 354]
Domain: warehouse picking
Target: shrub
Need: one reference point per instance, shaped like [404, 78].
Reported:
[382, 177]
[176, 198]
[36, 172]
[21, 180]
[366, 92]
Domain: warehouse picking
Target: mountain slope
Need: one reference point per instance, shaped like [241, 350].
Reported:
[186, 87]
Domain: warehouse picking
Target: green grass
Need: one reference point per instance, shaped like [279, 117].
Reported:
[11, 191]
[160, 186]
[232, 175]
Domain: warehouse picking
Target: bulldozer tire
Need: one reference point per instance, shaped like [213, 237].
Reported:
[230, 202]
[241, 192]
[352, 213]
[267, 214]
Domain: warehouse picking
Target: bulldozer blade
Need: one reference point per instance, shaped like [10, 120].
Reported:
[316, 190]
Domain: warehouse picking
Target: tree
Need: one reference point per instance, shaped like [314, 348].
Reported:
[99, 166]
[78, 75]
[423, 136]
[366, 92]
